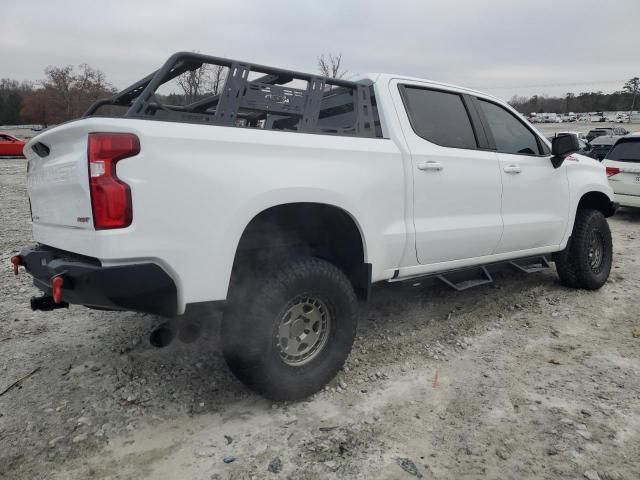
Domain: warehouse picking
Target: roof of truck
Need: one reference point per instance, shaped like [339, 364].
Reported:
[386, 77]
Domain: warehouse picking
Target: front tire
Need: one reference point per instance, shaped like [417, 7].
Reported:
[586, 261]
[290, 329]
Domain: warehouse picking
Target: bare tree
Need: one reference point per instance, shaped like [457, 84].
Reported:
[66, 93]
[59, 80]
[36, 107]
[206, 80]
[193, 83]
[218, 77]
[89, 84]
[632, 87]
[330, 65]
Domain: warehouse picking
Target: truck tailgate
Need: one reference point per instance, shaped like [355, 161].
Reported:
[58, 182]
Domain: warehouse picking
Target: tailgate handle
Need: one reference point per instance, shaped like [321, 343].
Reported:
[41, 149]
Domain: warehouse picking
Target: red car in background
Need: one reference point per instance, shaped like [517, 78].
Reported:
[11, 146]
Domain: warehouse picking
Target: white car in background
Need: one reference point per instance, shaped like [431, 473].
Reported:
[623, 170]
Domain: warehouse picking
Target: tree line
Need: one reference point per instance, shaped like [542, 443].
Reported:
[66, 92]
[625, 99]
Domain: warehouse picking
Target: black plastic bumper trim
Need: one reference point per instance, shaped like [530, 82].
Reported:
[143, 287]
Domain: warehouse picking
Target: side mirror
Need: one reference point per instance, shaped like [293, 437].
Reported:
[561, 146]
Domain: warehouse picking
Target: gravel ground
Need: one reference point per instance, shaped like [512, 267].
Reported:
[522, 379]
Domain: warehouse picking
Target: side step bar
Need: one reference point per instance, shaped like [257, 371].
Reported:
[531, 265]
[463, 278]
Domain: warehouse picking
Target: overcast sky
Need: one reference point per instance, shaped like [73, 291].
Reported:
[504, 47]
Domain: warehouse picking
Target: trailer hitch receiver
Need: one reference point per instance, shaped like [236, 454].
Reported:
[46, 303]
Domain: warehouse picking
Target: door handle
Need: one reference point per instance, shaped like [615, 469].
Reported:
[430, 165]
[512, 168]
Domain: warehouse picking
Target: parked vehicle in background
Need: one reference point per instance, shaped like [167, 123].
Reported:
[11, 146]
[599, 132]
[600, 146]
[287, 196]
[623, 170]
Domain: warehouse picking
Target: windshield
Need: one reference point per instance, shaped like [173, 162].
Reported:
[625, 151]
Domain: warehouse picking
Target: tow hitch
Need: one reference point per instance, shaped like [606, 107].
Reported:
[46, 303]
[51, 302]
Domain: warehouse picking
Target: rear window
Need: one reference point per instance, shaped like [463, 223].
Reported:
[439, 117]
[625, 151]
[604, 140]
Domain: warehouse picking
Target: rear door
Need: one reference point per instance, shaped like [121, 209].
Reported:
[535, 195]
[456, 181]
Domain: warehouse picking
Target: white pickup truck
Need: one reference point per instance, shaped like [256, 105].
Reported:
[286, 195]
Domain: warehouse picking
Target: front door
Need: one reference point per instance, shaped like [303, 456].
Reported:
[535, 195]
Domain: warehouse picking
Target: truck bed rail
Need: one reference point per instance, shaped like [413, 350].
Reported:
[275, 100]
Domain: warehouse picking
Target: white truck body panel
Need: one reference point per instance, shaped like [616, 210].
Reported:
[362, 176]
[195, 188]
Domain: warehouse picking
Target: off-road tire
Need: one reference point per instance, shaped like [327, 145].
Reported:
[257, 308]
[576, 264]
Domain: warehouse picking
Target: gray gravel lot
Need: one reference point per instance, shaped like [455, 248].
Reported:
[523, 379]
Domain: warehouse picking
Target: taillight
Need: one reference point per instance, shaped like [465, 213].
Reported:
[110, 196]
[611, 171]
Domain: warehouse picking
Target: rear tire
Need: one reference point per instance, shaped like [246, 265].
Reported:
[586, 261]
[290, 329]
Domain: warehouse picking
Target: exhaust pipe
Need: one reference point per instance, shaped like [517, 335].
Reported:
[163, 335]
[189, 332]
[46, 303]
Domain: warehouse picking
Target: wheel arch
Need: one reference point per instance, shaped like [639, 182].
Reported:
[595, 197]
[321, 229]
[597, 200]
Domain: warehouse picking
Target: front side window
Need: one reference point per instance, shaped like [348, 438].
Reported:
[509, 133]
[439, 117]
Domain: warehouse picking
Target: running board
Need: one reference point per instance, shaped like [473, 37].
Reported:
[464, 279]
[468, 277]
[532, 264]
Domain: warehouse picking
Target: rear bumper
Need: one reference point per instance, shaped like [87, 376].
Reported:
[143, 287]
[628, 200]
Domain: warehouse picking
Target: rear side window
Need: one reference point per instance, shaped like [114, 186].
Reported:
[625, 151]
[509, 133]
[439, 117]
